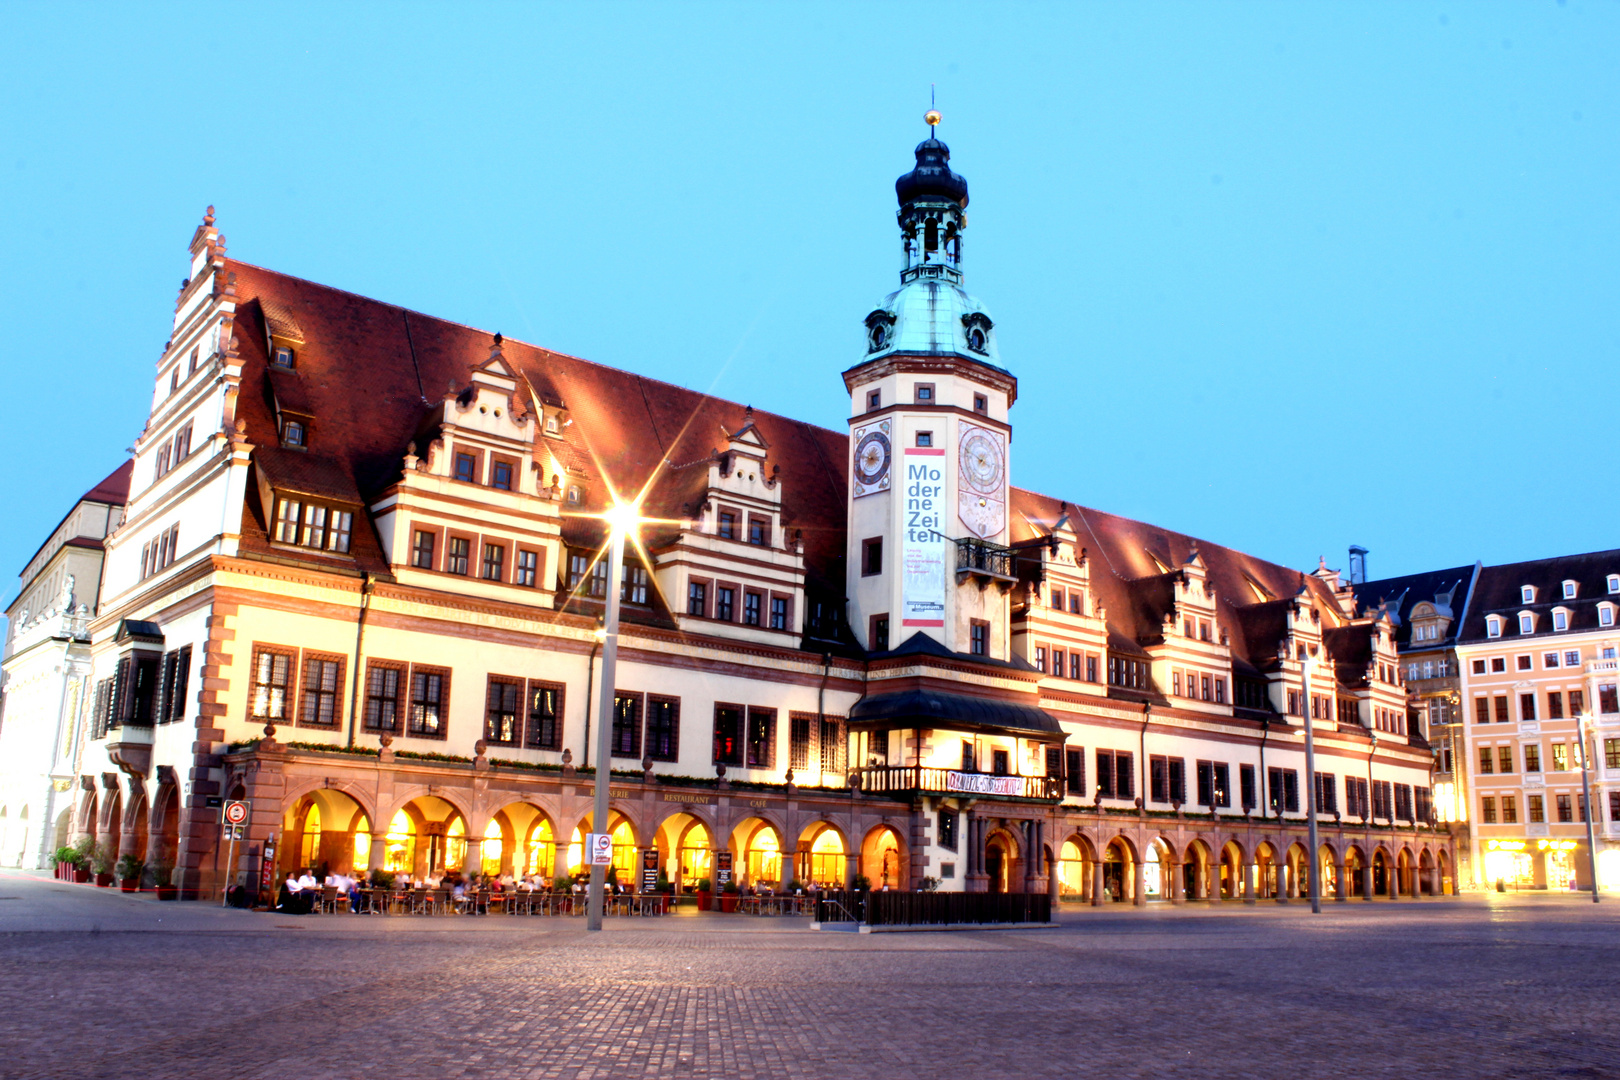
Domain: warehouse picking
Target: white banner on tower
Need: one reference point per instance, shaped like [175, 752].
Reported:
[922, 551]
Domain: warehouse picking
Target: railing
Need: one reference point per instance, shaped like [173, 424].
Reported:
[840, 905]
[947, 908]
[909, 779]
[981, 557]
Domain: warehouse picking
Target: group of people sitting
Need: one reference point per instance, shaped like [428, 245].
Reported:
[302, 890]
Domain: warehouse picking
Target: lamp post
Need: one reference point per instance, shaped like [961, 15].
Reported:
[1591, 811]
[622, 519]
[1313, 867]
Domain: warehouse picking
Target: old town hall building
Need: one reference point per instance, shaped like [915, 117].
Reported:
[358, 584]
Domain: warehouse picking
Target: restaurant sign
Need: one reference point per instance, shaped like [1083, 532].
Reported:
[980, 784]
[649, 870]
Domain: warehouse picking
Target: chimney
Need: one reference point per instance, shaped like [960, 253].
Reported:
[1358, 564]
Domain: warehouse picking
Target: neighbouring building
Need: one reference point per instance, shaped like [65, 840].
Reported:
[1427, 611]
[46, 670]
[359, 586]
[1537, 655]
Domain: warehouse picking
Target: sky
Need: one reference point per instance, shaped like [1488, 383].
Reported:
[1284, 277]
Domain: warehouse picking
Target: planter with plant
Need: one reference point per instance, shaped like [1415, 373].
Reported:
[101, 861]
[382, 879]
[67, 860]
[665, 890]
[705, 894]
[129, 873]
[163, 878]
[861, 883]
[728, 897]
[83, 851]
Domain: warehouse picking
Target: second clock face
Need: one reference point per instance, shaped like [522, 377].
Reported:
[872, 460]
[982, 464]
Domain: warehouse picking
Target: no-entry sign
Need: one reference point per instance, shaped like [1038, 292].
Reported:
[235, 812]
[601, 848]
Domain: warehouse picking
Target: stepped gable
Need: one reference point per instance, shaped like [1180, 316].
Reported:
[1124, 576]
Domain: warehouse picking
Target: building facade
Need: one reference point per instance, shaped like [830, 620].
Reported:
[46, 671]
[1537, 660]
[360, 582]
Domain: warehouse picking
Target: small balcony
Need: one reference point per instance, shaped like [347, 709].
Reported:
[985, 562]
[912, 780]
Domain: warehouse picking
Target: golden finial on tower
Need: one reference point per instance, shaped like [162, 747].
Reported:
[932, 116]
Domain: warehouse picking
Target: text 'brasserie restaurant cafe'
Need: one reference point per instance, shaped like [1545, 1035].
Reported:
[360, 585]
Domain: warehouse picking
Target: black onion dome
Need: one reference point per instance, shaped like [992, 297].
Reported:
[932, 178]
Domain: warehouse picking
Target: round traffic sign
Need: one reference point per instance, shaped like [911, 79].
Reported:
[235, 812]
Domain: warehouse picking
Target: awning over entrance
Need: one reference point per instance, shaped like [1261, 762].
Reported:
[958, 712]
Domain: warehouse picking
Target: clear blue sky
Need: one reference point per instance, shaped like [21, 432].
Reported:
[1284, 277]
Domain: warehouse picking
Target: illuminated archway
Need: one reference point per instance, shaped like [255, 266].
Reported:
[625, 859]
[759, 850]
[883, 859]
[1119, 869]
[823, 859]
[1074, 867]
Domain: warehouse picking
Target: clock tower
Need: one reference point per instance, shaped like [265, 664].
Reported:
[929, 440]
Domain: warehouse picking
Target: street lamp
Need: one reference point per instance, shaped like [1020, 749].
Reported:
[1313, 864]
[1591, 811]
[622, 519]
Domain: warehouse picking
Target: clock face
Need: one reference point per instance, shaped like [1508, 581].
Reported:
[872, 460]
[983, 466]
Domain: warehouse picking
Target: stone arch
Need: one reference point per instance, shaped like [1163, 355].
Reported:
[528, 841]
[1077, 861]
[822, 855]
[1119, 866]
[89, 816]
[1328, 865]
[758, 845]
[885, 858]
[110, 830]
[424, 835]
[1405, 875]
[163, 843]
[62, 831]
[1296, 861]
[1268, 875]
[136, 820]
[1230, 861]
[1003, 859]
[626, 848]
[685, 838]
[1161, 864]
[1197, 869]
[1382, 865]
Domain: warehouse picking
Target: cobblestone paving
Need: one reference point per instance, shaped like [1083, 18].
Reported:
[95, 985]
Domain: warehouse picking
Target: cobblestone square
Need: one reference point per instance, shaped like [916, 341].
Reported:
[103, 985]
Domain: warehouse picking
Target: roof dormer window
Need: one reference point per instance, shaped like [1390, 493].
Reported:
[552, 427]
[282, 356]
[1606, 614]
[1527, 623]
[1527, 594]
[1493, 626]
[292, 433]
[1570, 589]
[1614, 584]
[1560, 619]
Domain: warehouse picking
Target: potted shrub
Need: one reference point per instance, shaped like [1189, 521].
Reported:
[728, 897]
[666, 892]
[66, 860]
[130, 870]
[861, 883]
[101, 861]
[705, 894]
[83, 850]
[163, 877]
[382, 879]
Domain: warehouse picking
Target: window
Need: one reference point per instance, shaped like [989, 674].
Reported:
[1091, 668]
[459, 553]
[1510, 810]
[1479, 667]
[1565, 810]
[633, 583]
[874, 400]
[545, 716]
[1493, 626]
[663, 727]
[725, 603]
[1560, 620]
[1549, 660]
[1175, 683]
[1527, 594]
[1577, 699]
[1527, 707]
[1076, 602]
[626, 725]
[1220, 691]
[1560, 757]
[1105, 773]
[1246, 786]
[191, 364]
[494, 560]
[1204, 683]
[1040, 658]
[728, 734]
[429, 693]
[160, 553]
[1498, 664]
[1075, 765]
[925, 438]
[759, 531]
[726, 527]
[576, 495]
[467, 467]
[1487, 763]
[422, 549]
[1608, 701]
[1487, 810]
[1076, 666]
[981, 404]
[1523, 662]
[1605, 614]
[1614, 584]
[501, 475]
[979, 638]
[272, 683]
[1569, 590]
[323, 681]
[528, 568]
[176, 672]
[578, 567]
[872, 556]
[1532, 758]
[751, 607]
[1502, 709]
[761, 738]
[925, 393]
[799, 725]
[1537, 814]
[1283, 795]
[697, 598]
[1000, 764]
[1057, 662]
[292, 433]
[1611, 753]
[382, 696]
[1327, 793]
[834, 744]
[947, 829]
[879, 633]
[312, 525]
[1158, 779]
[1504, 759]
[1206, 783]
[596, 584]
[281, 356]
[779, 613]
[502, 721]
[1527, 623]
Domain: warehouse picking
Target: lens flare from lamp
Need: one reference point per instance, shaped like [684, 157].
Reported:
[623, 517]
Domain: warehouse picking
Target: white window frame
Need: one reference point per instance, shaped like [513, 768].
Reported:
[1614, 583]
[1606, 614]
[1560, 619]
[1570, 589]
[1527, 594]
[1493, 626]
[1527, 622]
